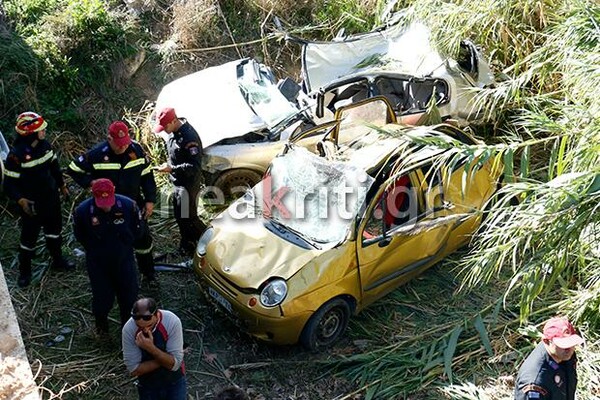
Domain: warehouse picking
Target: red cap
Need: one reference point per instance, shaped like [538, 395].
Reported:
[560, 331]
[164, 117]
[104, 192]
[119, 133]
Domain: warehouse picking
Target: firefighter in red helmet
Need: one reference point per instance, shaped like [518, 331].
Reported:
[33, 179]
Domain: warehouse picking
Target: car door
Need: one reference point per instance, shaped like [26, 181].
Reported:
[403, 232]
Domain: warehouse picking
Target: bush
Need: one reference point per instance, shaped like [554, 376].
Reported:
[59, 52]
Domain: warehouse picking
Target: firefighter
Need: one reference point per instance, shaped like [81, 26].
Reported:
[124, 162]
[107, 226]
[185, 153]
[550, 370]
[33, 179]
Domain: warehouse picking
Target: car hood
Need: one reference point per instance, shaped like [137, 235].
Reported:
[247, 254]
[213, 102]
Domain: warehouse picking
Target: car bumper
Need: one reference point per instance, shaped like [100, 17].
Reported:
[268, 324]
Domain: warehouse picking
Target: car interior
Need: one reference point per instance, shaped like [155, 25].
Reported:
[407, 95]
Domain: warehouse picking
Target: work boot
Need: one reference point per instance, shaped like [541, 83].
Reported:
[24, 280]
[149, 282]
[25, 257]
[102, 326]
[62, 264]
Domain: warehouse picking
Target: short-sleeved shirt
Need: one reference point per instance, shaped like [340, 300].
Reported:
[168, 336]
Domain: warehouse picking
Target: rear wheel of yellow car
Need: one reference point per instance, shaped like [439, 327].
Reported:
[326, 325]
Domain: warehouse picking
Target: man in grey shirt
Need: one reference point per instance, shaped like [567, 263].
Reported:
[153, 351]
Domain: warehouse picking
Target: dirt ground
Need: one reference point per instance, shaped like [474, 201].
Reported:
[71, 362]
[80, 365]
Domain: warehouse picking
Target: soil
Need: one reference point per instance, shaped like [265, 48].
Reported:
[82, 365]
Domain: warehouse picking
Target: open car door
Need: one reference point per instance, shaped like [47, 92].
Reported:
[403, 233]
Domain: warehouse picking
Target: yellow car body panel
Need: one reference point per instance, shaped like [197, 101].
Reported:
[369, 263]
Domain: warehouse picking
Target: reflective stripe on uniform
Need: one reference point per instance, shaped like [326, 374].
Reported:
[147, 170]
[52, 236]
[75, 168]
[38, 161]
[12, 174]
[134, 163]
[107, 166]
[143, 251]
[26, 248]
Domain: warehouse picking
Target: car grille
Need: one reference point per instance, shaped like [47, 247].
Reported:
[219, 282]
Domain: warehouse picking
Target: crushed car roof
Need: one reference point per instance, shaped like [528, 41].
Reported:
[402, 50]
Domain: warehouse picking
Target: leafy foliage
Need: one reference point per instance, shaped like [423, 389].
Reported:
[59, 50]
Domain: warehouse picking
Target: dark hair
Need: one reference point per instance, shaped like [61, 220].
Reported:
[144, 304]
[231, 393]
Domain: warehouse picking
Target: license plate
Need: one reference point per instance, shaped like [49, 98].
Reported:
[220, 299]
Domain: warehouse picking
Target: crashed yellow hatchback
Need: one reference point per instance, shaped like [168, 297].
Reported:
[328, 232]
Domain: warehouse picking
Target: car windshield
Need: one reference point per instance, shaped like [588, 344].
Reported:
[264, 97]
[313, 197]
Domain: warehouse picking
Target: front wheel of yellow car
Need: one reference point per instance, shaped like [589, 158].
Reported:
[326, 325]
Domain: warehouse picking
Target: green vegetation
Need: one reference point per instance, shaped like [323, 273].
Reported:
[71, 61]
[59, 53]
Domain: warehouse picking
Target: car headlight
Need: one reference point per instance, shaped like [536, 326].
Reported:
[204, 240]
[273, 293]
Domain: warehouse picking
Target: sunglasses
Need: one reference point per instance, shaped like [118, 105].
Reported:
[144, 317]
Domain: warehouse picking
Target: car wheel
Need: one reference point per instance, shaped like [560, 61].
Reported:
[235, 182]
[326, 325]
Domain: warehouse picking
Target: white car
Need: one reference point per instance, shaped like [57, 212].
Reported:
[244, 116]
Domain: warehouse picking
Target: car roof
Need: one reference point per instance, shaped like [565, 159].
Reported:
[401, 50]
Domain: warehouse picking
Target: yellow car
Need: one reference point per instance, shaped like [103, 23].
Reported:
[323, 236]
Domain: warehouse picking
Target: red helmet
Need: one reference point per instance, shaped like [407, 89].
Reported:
[30, 122]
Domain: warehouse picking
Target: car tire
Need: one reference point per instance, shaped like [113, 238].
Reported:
[231, 181]
[326, 325]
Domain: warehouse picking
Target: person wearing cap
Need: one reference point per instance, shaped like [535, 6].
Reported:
[107, 226]
[152, 343]
[185, 153]
[549, 372]
[124, 162]
[33, 179]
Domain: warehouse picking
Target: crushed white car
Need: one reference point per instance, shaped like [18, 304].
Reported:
[400, 64]
[245, 116]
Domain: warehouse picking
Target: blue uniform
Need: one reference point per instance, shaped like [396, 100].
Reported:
[131, 173]
[540, 377]
[185, 154]
[108, 239]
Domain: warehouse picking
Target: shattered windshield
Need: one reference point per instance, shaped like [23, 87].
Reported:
[315, 198]
[264, 97]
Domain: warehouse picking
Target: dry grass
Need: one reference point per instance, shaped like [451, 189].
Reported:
[195, 23]
[85, 366]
